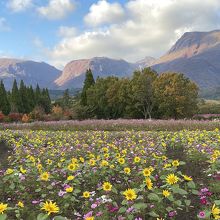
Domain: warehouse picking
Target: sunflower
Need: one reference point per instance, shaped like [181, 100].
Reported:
[166, 193]
[3, 207]
[172, 179]
[104, 163]
[70, 178]
[45, 176]
[215, 212]
[187, 178]
[107, 186]
[127, 170]
[92, 162]
[72, 167]
[90, 218]
[130, 194]
[121, 160]
[69, 189]
[20, 204]
[86, 194]
[50, 207]
[175, 163]
[137, 159]
[146, 172]
[149, 183]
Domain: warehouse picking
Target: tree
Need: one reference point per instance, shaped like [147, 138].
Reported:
[89, 81]
[66, 99]
[143, 91]
[24, 98]
[97, 100]
[4, 103]
[16, 102]
[118, 96]
[176, 95]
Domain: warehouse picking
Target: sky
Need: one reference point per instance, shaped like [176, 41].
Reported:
[58, 31]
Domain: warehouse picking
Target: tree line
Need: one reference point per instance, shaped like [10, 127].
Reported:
[23, 99]
[145, 95]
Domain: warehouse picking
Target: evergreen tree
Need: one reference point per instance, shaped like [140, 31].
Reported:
[16, 103]
[89, 81]
[4, 103]
[37, 95]
[45, 101]
[66, 99]
[31, 98]
[24, 98]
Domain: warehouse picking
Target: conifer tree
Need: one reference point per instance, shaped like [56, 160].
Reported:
[16, 103]
[89, 81]
[4, 103]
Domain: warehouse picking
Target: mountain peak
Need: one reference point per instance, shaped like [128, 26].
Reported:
[192, 44]
[195, 54]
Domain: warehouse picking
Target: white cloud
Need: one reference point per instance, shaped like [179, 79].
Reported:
[65, 31]
[150, 27]
[56, 9]
[3, 25]
[19, 5]
[104, 12]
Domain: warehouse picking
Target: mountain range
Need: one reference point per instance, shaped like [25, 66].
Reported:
[196, 54]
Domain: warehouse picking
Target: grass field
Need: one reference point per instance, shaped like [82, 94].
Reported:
[110, 174]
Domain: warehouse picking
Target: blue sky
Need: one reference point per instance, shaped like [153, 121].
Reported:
[58, 31]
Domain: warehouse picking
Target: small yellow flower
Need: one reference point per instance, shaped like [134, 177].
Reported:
[215, 212]
[90, 218]
[187, 178]
[92, 162]
[69, 178]
[127, 170]
[86, 194]
[49, 162]
[45, 176]
[50, 207]
[146, 172]
[3, 207]
[149, 183]
[175, 163]
[9, 171]
[137, 159]
[104, 163]
[81, 159]
[69, 189]
[20, 204]
[107, 186]
[166, 193]
[121, 160]
[166, 165]
[164, 157]
[72, 167]
[130, 194]
[23, 171]
[172, 179]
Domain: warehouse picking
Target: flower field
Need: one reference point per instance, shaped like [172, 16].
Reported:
[116, 175]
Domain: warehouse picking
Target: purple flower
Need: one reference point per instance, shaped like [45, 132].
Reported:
[94, 205]
[89, 214]
[61, 193]
[172, 213]
[201, 214]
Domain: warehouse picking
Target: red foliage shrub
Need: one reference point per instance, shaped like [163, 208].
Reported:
[15, 117]
[2, 117]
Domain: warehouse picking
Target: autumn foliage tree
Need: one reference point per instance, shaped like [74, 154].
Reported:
[176, 95]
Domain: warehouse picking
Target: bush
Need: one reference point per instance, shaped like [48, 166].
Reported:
[15, 117]
[2, 117]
